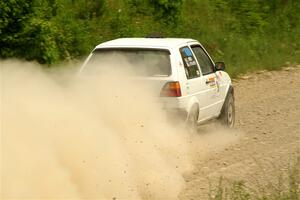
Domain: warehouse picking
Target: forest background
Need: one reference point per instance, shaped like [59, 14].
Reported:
[247, 34]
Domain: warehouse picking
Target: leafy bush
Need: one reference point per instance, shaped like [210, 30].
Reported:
[246, 34]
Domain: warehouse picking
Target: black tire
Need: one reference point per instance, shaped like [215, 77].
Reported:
[227, 116]
[192, 120]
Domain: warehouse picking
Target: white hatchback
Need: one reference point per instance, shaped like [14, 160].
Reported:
[191, 85]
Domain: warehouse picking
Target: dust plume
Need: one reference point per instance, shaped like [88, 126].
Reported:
[101, 137]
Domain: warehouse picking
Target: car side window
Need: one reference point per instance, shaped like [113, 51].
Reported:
[205, 63]
[190, 65]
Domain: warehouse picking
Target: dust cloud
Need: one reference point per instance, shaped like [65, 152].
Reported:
[104, 137]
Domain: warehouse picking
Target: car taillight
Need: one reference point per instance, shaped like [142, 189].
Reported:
[171, 89]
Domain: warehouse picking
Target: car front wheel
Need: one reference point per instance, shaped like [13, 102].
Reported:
[227, 116]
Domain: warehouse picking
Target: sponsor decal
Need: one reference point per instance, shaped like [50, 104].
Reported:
[211, 81]
[187, 52]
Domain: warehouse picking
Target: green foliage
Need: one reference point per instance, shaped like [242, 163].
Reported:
[293, 191]
[167, 10]
[246, 34]
[237, 190]
[13, 18]
[48, 31]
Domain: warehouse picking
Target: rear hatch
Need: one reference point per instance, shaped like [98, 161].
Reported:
[150, 67]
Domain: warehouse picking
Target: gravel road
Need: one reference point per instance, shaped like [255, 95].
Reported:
[259, 150]
[268, 119]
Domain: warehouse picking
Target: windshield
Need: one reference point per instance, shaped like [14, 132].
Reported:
[140, 62]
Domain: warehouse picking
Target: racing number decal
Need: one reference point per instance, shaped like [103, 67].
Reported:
[214, 82]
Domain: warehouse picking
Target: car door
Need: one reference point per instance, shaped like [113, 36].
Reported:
[196, 86]
[209, 81]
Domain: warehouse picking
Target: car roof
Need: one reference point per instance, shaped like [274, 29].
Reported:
[145, 42]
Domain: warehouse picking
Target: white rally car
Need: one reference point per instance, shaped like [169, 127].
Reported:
[191, 85]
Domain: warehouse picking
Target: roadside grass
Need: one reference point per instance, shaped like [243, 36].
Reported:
[258, 53]
[238, 190]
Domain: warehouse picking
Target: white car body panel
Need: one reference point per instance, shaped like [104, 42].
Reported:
[209, 98]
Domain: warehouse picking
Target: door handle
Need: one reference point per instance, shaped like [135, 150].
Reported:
[207, 82]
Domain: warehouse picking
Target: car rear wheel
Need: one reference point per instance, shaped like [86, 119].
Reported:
[227, 116]
[192, 121]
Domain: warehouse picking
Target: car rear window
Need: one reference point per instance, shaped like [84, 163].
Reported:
[141, 62]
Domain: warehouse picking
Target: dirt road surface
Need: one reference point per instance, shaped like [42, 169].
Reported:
[268, 119]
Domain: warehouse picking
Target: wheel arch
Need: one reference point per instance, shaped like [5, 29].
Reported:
[193, 104]
[229, 91]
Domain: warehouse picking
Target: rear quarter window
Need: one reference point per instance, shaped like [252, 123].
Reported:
[190, 65]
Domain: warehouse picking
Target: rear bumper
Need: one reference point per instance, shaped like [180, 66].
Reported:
[174, 108]
[176, 114]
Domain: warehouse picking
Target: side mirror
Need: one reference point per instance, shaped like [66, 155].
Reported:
[219, 66]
